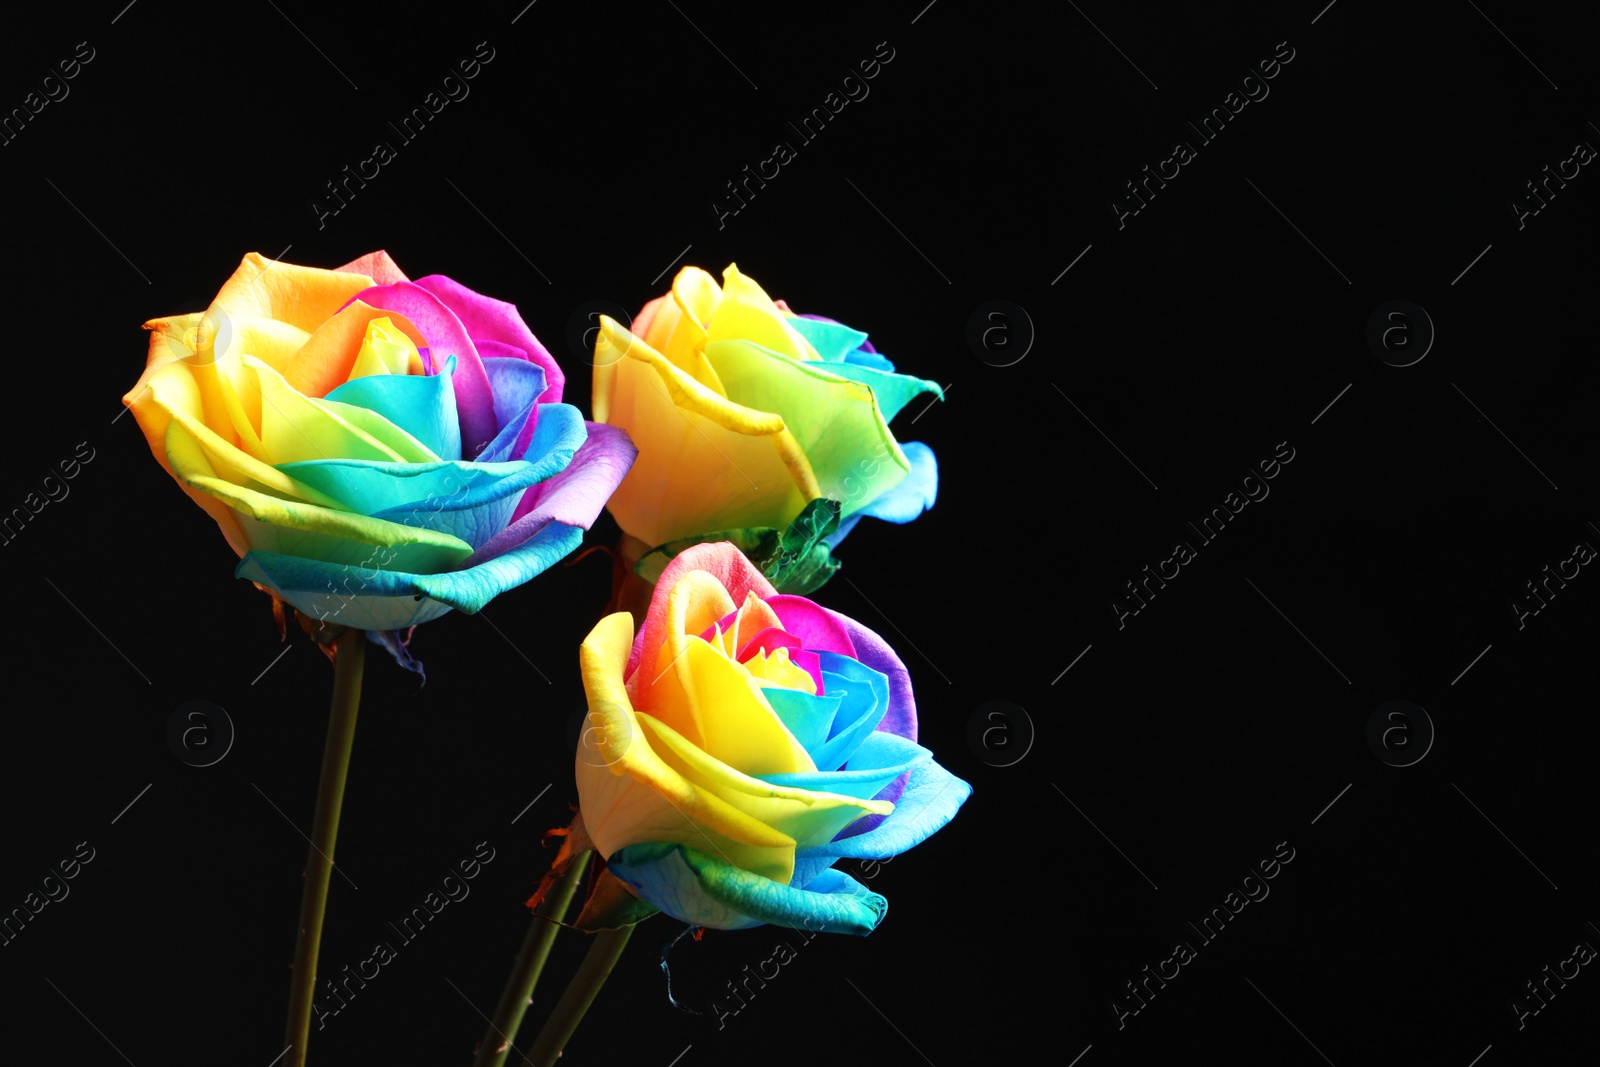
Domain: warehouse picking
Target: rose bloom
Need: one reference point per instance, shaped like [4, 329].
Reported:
[742, 743]
[745, 412]
[377, 451]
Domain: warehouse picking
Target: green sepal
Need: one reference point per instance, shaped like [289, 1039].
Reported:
[612, 905]
[795, 561]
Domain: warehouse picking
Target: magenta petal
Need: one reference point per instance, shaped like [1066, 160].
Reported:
[768, 641]
[818, 629]
[447, 336]
[575, 497]
[771, 639]
[489, 319]
[875, 652]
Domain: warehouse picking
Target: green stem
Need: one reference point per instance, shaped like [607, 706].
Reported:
[585, 985]
[350, 655]
[496, 1044]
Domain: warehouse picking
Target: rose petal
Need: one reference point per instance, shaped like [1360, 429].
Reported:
[424, 406]
[517, 386]
[818, 629]
[377, 266]
[930, 799]
[836, 422]
[390, 600]
[575, 496]
[446, 336]
[697, 888]
[724, 562]
[496, 320]
[832, 340]
[906, 501]
[746, 467]
[629, 794]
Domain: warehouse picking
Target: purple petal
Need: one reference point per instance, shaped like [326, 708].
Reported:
[498, 350]
[447, 336]
[489, 319]
[575, 497]
[875, 652]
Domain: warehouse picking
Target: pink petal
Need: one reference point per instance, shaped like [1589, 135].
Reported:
[724, 562]
[377, 266]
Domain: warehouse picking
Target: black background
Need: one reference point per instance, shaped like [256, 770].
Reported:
[1219, 321]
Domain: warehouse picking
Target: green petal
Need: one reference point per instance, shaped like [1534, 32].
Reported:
[835, 419]
[299, 528]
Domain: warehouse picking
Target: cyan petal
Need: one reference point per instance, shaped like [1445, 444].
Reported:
[906, 500]
[470, 589]
[832, 340]
[370, 599]
[893, 391]
[880, 759]
[807, 717]
[368, 487]
[422, 405]
[343, 597]
[705, 891]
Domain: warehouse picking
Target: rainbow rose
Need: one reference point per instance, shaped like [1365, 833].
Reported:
[755, 426]
[742, 743]
[376, 450]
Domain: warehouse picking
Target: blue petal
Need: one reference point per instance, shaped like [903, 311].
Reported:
[369, 599]
[909, 498]
[861, 357]
[557, 437]
[931, 798]
[699, 889]
[516, 384]
[866, 702]
[473, 513]
[832, 726]
[424, 406]
[879, 760]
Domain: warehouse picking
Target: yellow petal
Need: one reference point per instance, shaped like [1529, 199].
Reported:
[747, 313]
[325, 361]
[705, 463]
[384, 350]
[810, 817]
[296, 427]
[304, 297]
[628, 793]
[776, 668]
